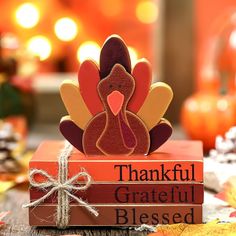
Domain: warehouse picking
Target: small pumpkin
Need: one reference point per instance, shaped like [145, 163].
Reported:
[206, 115]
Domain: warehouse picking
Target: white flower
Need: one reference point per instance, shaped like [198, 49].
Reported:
[231, 134]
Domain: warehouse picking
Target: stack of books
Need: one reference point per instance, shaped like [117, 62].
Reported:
[163, 188]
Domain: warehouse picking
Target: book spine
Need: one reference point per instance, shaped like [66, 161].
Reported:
[130, 171]
[145, 193]
[122, 215]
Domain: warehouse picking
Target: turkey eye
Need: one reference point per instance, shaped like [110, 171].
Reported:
[110, 86]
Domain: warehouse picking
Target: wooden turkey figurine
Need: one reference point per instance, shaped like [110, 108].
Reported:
[115, 110]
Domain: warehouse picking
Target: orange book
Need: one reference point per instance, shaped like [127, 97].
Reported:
[174, 161]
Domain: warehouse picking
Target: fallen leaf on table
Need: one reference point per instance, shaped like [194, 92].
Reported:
[5, 185]
[9, 180]
[229, 194]
[213, 228]
[230, 191]
[232, 214]
[2, 216]
[18, 178]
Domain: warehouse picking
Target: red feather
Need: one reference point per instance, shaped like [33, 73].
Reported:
[88, 81]
[142, 74]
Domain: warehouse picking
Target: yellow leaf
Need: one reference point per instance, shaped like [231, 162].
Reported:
[210, 229]
[230, 191]
[5, 185]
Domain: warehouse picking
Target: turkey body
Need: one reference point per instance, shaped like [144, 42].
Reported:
[113, 143]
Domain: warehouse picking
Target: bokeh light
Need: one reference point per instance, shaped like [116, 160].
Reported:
[88, 50]
[10, 41]
[222, 104]
[66, 29]
[27, 15]
[147, 12]
[40, 46]
[133, 55]
[232, 39]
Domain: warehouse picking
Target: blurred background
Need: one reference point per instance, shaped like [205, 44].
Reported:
[191, 45]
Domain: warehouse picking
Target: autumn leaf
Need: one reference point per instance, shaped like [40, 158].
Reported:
[232, 214]
[2, 216]
[9, 180]
[229, 194]
[230, 191]
[210, 229]
[5, 185]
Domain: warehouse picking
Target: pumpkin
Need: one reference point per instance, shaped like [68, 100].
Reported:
[206, 115]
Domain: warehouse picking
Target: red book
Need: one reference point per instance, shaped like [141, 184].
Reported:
[124, 193]
[174, 161]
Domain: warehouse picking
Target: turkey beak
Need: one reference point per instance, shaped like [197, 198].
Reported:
[115, 101]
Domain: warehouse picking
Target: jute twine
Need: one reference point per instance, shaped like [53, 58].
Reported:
[63, 186]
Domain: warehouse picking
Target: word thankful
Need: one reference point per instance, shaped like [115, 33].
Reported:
[162, 173]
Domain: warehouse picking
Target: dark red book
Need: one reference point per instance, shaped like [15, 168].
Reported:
[142, 193]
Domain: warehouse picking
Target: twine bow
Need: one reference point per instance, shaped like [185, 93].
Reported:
[55, 185]
[63, 186]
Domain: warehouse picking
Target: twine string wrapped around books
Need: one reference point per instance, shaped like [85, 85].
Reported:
[63, 186]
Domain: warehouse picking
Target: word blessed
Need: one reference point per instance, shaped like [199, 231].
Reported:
[133, 216]
[177, 173]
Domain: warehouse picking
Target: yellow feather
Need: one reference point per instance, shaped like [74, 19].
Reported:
[156, 104]
[74, 103]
